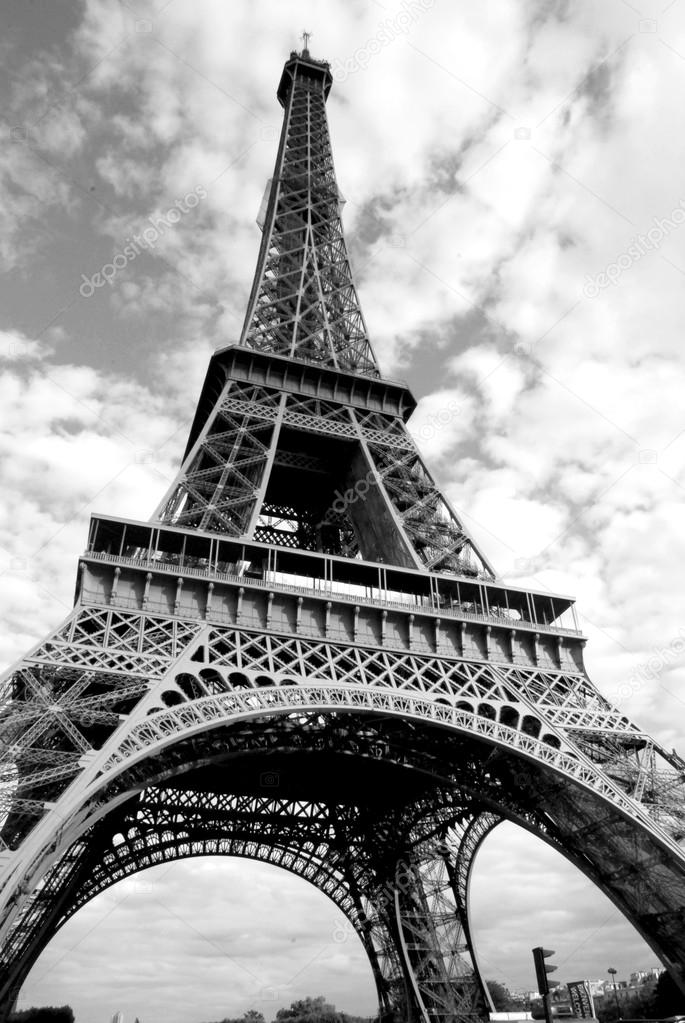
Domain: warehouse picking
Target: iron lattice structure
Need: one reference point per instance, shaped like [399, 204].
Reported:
[304, 659]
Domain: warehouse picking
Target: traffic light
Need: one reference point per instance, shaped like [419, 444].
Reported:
[542, 969]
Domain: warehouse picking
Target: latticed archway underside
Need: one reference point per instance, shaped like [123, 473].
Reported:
[381, 814]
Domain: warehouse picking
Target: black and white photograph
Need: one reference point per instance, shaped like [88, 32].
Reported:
[342, 511]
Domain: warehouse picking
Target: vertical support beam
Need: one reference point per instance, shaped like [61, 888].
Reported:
[432, 942]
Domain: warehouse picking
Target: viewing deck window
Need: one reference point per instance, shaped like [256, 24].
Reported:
[151, 545]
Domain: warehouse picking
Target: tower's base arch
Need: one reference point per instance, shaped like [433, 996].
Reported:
[381, 809]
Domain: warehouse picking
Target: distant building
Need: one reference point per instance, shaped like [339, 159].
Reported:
[118, 1017]
[643, 976]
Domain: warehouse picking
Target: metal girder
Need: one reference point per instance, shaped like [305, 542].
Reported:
[304, 305]
[435, 937]
[316, 841]
[135, 733]
[158, 729]
[303, 302]
[226, 482]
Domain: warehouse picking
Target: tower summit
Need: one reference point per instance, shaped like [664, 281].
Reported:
[303, 658]
[303, 301]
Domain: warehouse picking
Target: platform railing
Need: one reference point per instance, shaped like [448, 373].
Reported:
[327, 588]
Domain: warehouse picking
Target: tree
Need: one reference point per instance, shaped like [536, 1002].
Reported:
[251, 1016]
[635, 1005]
[309, 1010]
[47, 1014]
[502, 998]
[668, 998]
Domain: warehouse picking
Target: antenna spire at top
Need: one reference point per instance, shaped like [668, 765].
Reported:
[306, 36]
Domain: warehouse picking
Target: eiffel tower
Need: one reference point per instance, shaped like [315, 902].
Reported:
[304, 659]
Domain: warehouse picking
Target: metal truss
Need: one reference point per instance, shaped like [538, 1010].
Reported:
[241, 676]
[303, 301]
[323, 843]
[50, 697]
[404, 712]
[431, 932]
[429, 915]
[304, 305]
[219, 487]
[171, 677]
[267, 828]
[230, 482]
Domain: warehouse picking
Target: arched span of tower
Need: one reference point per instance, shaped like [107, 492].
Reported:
[144, 832]
[477, 763]
[164, 824]
[190, 815]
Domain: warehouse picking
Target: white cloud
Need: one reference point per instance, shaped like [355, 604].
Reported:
[198, 940]
[71, 443]
[472, 245]
[539, 897]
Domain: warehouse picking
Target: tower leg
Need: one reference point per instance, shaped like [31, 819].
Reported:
[433, 943]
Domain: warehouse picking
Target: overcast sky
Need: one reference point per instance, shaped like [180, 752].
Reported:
[515, 204]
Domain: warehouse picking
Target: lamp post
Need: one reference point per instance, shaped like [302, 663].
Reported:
[612, 972]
